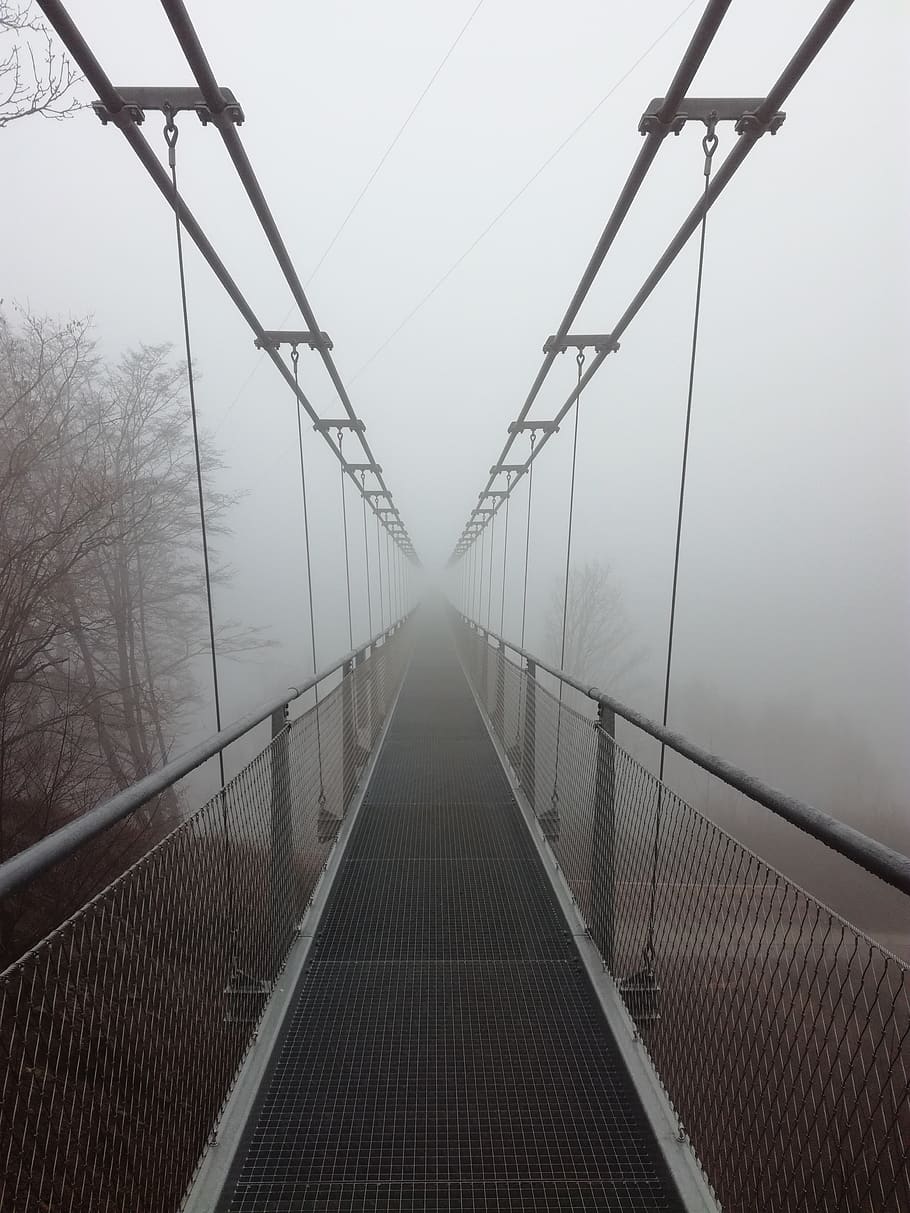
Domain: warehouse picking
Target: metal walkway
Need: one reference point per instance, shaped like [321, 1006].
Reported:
[445, 1049]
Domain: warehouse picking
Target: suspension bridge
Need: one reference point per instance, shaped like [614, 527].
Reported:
[443, 943]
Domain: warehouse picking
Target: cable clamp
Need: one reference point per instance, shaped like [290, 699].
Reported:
[751, 124]
[136, 100]
[601, 343]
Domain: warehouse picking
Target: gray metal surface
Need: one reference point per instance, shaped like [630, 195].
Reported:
[447, 1050]
[122, 1032]
[781, 1033]
[876, 857]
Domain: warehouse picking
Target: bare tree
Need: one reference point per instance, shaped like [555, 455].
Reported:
[600, 639]
[34, 77]
[102, 602]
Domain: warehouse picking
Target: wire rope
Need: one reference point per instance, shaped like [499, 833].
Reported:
[709, 147]
[171, 134]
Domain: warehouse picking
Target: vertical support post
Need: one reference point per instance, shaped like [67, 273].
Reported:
[529, 747]
[280, 867]
[375, 662]
[348, 750]
[501, 691]
[603, 838]
[361, 702]
[484, 646]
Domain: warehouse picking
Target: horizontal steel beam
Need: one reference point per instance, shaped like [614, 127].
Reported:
[580, 341]
[543, 427]
[294, 337]
[707, 110]
[167, 99]
[339, 423]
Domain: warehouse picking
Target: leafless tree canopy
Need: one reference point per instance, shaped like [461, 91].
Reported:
[102, 607]
[599, 635]
[35, 78]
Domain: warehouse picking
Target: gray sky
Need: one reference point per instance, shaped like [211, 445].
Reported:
[794, 581]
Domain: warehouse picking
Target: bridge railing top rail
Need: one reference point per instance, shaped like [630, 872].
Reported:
[876, 857]
[22, 868]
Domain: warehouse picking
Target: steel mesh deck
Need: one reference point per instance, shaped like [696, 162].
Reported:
[445, 1049]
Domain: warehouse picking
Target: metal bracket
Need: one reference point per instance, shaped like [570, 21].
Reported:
[507, 467]
[546, 427]
[377, 493]
[275, 338]
[340, 423]
[136, 100]
[482, 509]
[364, 467]
[602, 342]
[709, 109]
[493, 493]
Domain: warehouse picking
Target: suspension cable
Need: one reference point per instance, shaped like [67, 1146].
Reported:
[379, 574]
[490, 575]
[171, 134]
[709, 147]
[579, 362]
[524, 596]
[295, 360]
[344, 522]
[366, 551]
[505, 552]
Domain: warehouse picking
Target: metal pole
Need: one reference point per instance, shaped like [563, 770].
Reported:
[603, 839]
[280, 868]
[529, 749]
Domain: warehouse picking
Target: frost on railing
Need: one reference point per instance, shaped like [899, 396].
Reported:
[122, 1032]
[780, 1033]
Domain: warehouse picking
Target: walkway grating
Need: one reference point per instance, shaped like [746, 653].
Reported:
[445, 1049]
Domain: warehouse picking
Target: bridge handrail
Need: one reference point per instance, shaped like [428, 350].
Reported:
[876, 857]
[50, 850]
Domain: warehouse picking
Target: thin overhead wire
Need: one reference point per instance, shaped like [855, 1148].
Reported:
[516, 197]
[391, 147]
[362, 193]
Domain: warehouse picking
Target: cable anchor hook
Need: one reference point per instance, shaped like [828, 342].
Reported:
[709, 143]
[171, 134]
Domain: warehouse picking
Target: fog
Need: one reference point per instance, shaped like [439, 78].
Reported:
[794, 587]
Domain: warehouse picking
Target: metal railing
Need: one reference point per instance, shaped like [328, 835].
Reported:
[781, 1034]
[122, 1032]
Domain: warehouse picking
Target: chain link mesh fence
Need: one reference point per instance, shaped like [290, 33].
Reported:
[781, 1034]
[122, 1032]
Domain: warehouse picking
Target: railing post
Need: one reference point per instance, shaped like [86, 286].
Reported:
[374, 692]
[484, 645]
[529, 748]
[603, 839]
[280, 867]
[501, 690]
[362, 703]
[348, 747]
